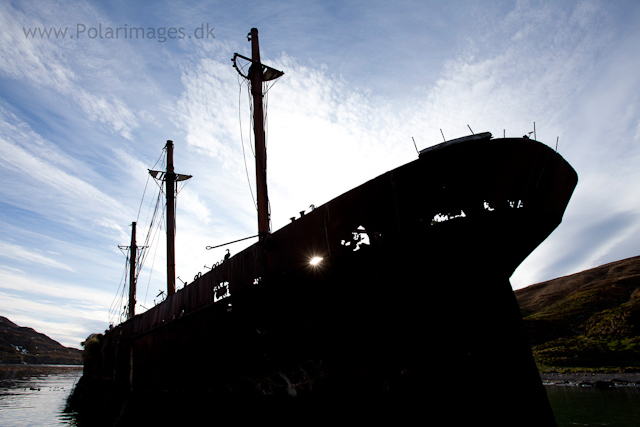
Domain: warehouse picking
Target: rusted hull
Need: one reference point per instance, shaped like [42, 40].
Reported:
[421, 318]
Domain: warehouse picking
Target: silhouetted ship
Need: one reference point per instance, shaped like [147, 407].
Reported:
[393, 298]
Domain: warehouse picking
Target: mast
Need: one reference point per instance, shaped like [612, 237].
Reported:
[170, 178]
[171, 221]
[255, 76]
[258, 74]
[132, 272]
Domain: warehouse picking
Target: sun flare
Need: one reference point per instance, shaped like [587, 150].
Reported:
[315, 260]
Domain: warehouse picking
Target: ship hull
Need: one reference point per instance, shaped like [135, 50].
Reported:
[409, 312]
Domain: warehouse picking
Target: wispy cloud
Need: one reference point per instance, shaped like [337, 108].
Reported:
[23, 255]
[42, 62]
[46, 187]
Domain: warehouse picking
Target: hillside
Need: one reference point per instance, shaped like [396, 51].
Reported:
[588, 321]
[24, 345]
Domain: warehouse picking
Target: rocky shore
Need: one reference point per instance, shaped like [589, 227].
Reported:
[585, 379]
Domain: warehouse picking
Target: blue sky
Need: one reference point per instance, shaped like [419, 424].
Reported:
[82, 118]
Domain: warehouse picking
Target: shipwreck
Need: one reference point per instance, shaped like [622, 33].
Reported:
[391, 299]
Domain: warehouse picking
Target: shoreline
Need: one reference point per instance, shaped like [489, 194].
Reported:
[11, 370]
[9, 373]
[36, 365]
[570, 379]
[588, 379]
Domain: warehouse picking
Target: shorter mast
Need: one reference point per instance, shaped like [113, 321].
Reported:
[132, 272]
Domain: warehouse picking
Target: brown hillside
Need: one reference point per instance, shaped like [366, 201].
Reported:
[586, 321]
[618, 280]
[25, 345]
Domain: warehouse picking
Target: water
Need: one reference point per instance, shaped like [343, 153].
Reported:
[591, 406]
[37, 396]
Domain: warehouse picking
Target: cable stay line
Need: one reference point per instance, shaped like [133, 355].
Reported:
[119, 311]
[244, 156]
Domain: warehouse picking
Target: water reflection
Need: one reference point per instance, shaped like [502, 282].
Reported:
[591, 406]
[36, 394]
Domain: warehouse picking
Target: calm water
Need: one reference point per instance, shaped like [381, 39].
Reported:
[590, 406]
[36, 396]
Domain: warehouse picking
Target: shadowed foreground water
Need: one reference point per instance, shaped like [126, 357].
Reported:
[37, 396]
[592, 406]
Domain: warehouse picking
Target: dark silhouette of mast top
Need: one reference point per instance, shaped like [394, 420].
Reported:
[170, 178]
[259, 73]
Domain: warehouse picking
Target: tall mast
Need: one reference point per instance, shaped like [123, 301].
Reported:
[258, 74]
[132, 272]
[171, 221]
[255, 75]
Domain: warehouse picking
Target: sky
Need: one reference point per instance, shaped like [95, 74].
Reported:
[86, 109]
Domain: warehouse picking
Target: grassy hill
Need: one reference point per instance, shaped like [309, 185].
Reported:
[588, 321]
[24, 345]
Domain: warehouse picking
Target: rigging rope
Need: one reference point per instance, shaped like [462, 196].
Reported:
[265, 93]
[152, 234]
[153, 231]
[152, 264]
[162, 155]
[244, 156]
[116, 303]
